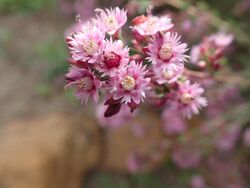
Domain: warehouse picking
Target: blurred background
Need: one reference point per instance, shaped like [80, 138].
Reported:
[48, 139]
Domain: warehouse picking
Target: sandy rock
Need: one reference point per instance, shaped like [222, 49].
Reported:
[142, 137]
[54, 151]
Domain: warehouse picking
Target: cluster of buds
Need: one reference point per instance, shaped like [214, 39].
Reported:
[209, 53]
[151, 68]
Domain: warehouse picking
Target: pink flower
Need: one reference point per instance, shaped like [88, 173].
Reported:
[187, 25]
[115, 57]
[86, 45]
[151, 25]
[130, 84]
[173, 122]
[101, 63]
[116, 121]
[246, 137]
[167, 50]
[195, 54]
[112, 19]
[188, 99]
[164, 74]
[211, 49]
[221, 39]
[197, 181]
[137, 162]
[85, 83]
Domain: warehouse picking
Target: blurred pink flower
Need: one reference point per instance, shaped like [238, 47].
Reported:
[196, 25]
[186, 157]
[136, 162]
[197, 181]
[187, 25]
[211, 49]
[221, 39]
[195, 54]
[173, 122]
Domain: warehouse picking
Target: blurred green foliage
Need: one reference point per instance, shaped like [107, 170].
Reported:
[43, 90]
[24, 5]
[4, 37]
[54, 53]
[106, 181]
[148, 181]
[157, 179]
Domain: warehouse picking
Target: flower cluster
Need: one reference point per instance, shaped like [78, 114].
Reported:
[152, 68]
[209, 53]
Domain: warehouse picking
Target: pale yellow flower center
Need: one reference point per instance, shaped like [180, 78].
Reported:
[111, 23]
[186, 98]
[166, 52]
[128, 83]
[86, 83]
[168, 74]
[90, 47]
[202, 63]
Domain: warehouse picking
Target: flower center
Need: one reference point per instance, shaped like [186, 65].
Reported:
[111, 23]
[167, 74]
[86, 83]
[186, 98]
[166, 52]
[128, 83]
[202, 64]
[90, 47]
[111, 59]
